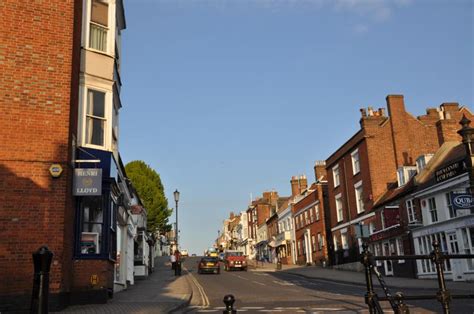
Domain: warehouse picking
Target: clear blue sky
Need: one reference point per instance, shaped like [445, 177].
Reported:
[227, 98]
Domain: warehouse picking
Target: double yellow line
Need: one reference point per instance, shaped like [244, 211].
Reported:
[204, 299]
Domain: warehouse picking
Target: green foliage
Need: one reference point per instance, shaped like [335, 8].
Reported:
[147, 183]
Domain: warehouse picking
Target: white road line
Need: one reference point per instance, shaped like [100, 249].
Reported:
[325, 309]
[262, 284]
[283, 283]
[242, 277]
[252, 307]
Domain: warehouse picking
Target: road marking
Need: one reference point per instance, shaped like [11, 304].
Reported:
[262, 284]
[252, 307]
[283, 283]
[325, 309]
[241, 277]
[204, 298]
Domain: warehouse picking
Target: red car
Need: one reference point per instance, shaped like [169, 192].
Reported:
[235, 260]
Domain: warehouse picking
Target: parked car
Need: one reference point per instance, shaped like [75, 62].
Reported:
[235, 260]
[209, 265]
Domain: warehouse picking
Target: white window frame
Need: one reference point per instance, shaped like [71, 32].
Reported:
[411, 210]
[359, 199]
[451, 212]
[110, 45]
[355, 161]
[320, 241]
[432, 209]
[400, 250]
[336, 176]
[83, 98]
[313, 243]
[339, 210]
[316, 210]
[344, 241]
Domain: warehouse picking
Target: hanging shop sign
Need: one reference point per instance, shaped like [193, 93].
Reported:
[462, 200]
[87, 182]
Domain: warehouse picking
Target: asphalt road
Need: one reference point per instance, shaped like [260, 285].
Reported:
[280, 292]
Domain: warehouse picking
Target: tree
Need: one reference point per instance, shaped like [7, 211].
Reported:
[147, 183]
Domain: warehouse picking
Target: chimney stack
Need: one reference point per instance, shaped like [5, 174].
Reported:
[320, 173]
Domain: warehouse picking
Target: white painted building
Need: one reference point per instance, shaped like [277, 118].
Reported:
[453, 229]
[285, 240]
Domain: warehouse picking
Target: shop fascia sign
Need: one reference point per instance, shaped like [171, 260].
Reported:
[450, 171]
[87, 182]
[462, 200]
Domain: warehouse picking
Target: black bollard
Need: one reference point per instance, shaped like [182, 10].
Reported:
[229, 304]
[42, 263]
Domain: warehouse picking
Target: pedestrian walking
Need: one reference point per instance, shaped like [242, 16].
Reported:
[173, 261]
[177, 268]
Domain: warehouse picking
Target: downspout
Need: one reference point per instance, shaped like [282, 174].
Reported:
[347, 202]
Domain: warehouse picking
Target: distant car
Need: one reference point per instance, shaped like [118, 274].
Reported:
[209, 265]
[235, 260]
[184, 253]
[193, 255]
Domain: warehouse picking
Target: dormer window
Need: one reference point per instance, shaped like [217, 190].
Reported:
[404, 174]
[422, 161]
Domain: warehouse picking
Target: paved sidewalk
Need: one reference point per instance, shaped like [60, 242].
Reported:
[161, 292]
[359, 277]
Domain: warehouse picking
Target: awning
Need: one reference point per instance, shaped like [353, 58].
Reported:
[272, 243]
[280, 243]
[264, 242]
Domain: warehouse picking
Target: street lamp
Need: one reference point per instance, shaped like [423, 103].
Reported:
[176, 199]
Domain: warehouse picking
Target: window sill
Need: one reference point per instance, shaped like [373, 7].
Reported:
[104, 53]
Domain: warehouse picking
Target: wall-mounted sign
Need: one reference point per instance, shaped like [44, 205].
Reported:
[462, 200]
[450, 171]
[87, 182]
[55, 170]
[94, 280]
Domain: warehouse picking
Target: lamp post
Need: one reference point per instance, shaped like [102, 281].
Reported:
[176, 199]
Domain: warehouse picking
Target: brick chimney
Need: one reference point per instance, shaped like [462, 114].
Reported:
[320, 172]
[303, 183]
[398, 118]
[298, 184]
[294, 185]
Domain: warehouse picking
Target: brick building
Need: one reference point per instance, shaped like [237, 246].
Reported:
[309, 217]
[360, 171]
[59, 102]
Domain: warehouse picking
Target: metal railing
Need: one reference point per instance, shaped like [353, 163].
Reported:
[397, 301]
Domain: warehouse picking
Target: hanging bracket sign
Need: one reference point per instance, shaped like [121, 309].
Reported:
[87, 182]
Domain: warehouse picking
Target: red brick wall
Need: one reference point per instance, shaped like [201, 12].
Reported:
[36, 70]
[84, 269]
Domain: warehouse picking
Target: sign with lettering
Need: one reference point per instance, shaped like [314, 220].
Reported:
[450, 171]
[87, 182]
[462, 200]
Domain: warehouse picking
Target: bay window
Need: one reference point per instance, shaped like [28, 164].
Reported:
[99, 25]
[95, 118]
